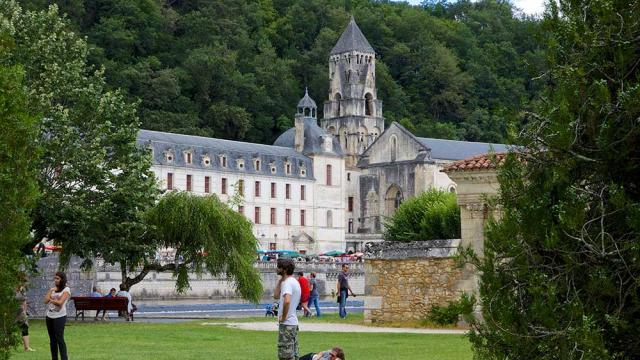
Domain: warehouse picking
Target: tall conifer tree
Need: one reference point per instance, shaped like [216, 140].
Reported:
[560, 272]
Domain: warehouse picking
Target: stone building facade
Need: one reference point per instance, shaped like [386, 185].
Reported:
[404, 280]
[321, 186]
[293, 195]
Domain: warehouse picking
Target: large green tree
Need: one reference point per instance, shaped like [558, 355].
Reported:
[18, 159]
[559, 276]
[96, 181]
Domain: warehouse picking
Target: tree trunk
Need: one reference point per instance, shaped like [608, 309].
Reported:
[129, 282]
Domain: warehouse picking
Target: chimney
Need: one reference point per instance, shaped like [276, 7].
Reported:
[299, 139]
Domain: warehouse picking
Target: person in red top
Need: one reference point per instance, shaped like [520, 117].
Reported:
[305, 293]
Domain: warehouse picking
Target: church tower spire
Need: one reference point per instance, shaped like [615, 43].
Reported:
[353, 112]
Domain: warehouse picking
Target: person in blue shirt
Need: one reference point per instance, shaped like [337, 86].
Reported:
[96, 292]
[314, 298]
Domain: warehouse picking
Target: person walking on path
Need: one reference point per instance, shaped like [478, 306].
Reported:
[288, 293]
[56, 317]
[306, 292]
[343, 290]
[314, 296]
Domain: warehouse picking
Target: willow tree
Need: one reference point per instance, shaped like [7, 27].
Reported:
[559, 276]
[208, 236]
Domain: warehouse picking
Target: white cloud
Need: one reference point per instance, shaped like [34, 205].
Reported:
[530, 7]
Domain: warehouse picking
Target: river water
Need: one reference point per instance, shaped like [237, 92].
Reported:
[216, 308]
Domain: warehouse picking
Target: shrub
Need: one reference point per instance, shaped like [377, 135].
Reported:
[448, 315]
[431, 215]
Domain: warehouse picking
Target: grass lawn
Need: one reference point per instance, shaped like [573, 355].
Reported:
[191, 340]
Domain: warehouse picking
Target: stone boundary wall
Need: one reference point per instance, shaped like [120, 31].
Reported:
[404, 280]
[161, 286]
[79, 282]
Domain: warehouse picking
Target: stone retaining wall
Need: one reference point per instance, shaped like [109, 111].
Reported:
[161, 286]
[404, 280]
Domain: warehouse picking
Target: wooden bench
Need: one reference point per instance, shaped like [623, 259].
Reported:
[83, 303]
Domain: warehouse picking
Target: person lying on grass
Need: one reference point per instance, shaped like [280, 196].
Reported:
[334, 354]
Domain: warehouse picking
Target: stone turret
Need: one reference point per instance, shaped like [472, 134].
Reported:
[307, 109]
[353, 112]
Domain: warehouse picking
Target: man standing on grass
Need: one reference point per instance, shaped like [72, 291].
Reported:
[288, 292]
[343, 290]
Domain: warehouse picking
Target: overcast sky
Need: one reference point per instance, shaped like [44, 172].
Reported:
[531, 7]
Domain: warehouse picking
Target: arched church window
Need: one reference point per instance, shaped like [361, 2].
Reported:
[368, 110]
[338, 97]
[329, 218]
[398, 200]
[306, 111]
[394, 148]
[344, 139]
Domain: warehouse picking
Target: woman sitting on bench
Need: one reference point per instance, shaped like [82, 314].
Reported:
[130, 307]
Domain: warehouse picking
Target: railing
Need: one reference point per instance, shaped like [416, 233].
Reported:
[327, 267]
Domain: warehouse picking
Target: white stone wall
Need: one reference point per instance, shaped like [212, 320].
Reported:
[162, 285]
[318, 199]
[328, 197]
[352, 189]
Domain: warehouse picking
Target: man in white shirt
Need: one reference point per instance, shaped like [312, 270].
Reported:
[288, 292]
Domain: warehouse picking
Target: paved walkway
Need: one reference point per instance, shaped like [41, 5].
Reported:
[336, 327]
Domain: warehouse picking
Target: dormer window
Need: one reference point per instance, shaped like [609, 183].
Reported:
[272, 167]
[223, 161]
[287, 168]
[168, 156]
[240, 163]
[256, 164]
[188, 157]
[206, 161]
[303, 168]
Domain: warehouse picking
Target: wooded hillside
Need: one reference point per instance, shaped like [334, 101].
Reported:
[236, 69]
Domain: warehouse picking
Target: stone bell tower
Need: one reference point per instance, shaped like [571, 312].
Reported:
[353, 112]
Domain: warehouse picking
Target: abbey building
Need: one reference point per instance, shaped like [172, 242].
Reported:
[325, 184]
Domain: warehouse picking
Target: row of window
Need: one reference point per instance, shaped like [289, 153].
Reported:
[274, 216]
[240, 187]
[257, 163]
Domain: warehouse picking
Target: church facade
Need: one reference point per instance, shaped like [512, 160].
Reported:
[323, 185]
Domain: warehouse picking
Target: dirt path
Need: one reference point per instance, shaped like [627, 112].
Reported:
[336, 327]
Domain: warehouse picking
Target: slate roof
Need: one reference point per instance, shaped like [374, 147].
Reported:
[313, 135]
[306, 101]
[481, 162]
[161, 142]
[352, 39]
[457, 150]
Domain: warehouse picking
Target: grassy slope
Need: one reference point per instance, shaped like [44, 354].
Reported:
[184, 341]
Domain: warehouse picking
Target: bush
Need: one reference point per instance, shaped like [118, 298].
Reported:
[448, 315]
[431, 215]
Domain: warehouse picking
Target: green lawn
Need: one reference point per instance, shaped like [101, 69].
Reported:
[191, 340]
